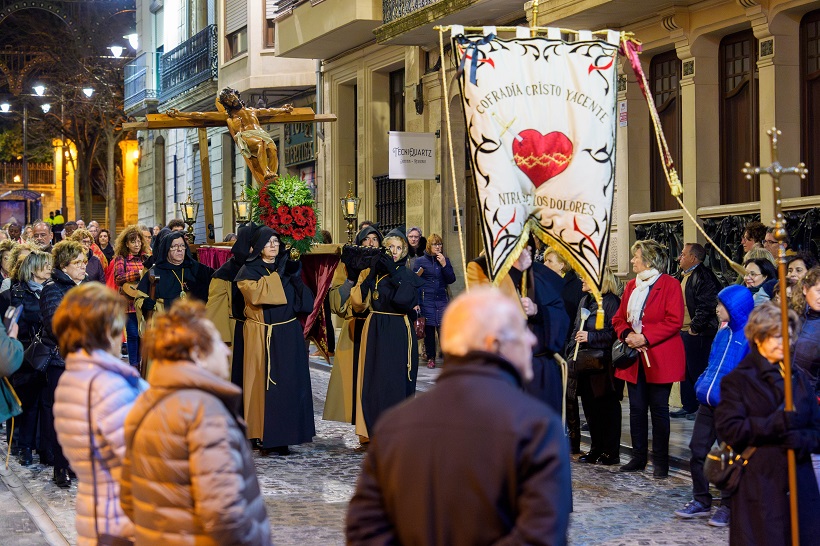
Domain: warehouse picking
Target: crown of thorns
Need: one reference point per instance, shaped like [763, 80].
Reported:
[227, 92]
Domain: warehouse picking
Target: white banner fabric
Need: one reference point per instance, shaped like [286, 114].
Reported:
[541, 120]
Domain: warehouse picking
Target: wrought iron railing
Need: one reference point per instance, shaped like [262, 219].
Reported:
[390, 202]
[140, 82]
[190, 64]
[670, 235]
[11, 174]
[394, 9]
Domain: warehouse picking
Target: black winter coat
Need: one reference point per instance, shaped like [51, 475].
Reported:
[488, 463]
[700, 296]
[31, 320]
[94, 270]
[750, 413]
[597, 384]
[54, 290]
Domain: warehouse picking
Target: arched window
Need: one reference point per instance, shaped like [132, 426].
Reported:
[739, 134]
[810, 103]
[664, 76]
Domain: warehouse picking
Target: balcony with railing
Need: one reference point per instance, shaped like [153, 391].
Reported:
[411, 22]
[141, 83]
[191, 63]
[321, 30]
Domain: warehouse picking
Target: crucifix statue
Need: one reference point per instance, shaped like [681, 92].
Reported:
[244, 124]
[254, 143]
[776, 170]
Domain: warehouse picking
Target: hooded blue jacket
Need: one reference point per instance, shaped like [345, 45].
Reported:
[730, 345]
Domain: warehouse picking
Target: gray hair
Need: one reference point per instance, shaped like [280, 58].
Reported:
[35, 261]
[652, 253]
[462, 333]
[415, 228]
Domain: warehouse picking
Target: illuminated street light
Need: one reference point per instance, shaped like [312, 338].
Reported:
[116, 50]
[39, 89]
[46, 107]
[88, 91]
[5, 107]
[133, 40]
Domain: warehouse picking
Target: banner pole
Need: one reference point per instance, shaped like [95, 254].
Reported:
[446, 90]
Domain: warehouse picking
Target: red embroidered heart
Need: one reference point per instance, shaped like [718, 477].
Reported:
[541, 157]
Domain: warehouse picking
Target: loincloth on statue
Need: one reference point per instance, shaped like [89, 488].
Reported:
[244, 149]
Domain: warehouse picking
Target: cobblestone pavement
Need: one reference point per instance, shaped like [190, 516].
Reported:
[307, 492]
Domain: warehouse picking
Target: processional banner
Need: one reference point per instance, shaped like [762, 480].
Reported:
[541, 119]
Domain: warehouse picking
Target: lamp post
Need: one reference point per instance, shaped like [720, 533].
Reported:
[350, 210]
[189, 209]
[242, 208]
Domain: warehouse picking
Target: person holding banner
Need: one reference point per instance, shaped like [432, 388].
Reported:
[537, 289]
[751, 414]
[649, 319]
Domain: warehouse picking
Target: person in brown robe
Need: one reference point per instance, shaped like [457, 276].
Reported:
[341, 389]
[278, 400]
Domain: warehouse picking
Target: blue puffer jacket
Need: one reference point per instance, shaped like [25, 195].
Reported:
[730, 345]
[433, 294]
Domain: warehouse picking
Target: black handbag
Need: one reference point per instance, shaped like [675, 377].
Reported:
[623, 356]
[590, 361]
[38, 354]
[723, 467]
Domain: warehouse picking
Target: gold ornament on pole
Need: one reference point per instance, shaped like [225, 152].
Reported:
[350, 211]
[775, 171]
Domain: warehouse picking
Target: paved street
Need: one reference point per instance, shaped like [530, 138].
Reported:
[307, 492]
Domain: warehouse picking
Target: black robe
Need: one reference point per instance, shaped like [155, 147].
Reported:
[278, 395]
[190, 276]
[389, 365]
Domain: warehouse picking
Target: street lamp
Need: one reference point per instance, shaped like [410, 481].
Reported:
[88, 91]
[189, 209]
[350, 210]
[242, 208]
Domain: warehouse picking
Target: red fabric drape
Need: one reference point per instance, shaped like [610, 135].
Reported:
[317, 274]
[213, 256]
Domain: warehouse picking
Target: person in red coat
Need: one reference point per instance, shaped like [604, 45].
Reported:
[649, 319]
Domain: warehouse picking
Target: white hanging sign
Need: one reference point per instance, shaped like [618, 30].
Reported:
[412, 155]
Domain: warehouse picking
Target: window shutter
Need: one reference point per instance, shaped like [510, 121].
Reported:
[236, 15]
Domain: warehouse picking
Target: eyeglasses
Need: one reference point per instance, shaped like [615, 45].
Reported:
[768, 242]
[79, 261]
[436, 244]
[177, 247]
[753, 275]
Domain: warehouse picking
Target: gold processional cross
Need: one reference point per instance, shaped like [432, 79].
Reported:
[775, 171]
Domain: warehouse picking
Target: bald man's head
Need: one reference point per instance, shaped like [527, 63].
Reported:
[484, 319]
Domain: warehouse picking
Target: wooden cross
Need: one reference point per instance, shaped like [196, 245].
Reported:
[217, 119]
[775, 171]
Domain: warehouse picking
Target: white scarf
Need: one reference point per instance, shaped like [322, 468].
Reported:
[643, 282]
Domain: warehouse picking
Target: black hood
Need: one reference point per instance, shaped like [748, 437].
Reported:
[242, 246]
[164, 242]
[258, 240]
[398, 232]
[367, 230]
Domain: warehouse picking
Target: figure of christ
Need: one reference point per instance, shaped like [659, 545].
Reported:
[255, 145]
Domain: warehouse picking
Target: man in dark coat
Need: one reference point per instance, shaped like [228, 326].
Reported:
[475, 460]
[700, 324]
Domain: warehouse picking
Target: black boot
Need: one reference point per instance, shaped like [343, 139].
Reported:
[61, 478]
[661, 466]
[635, 464]
[26, 458]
